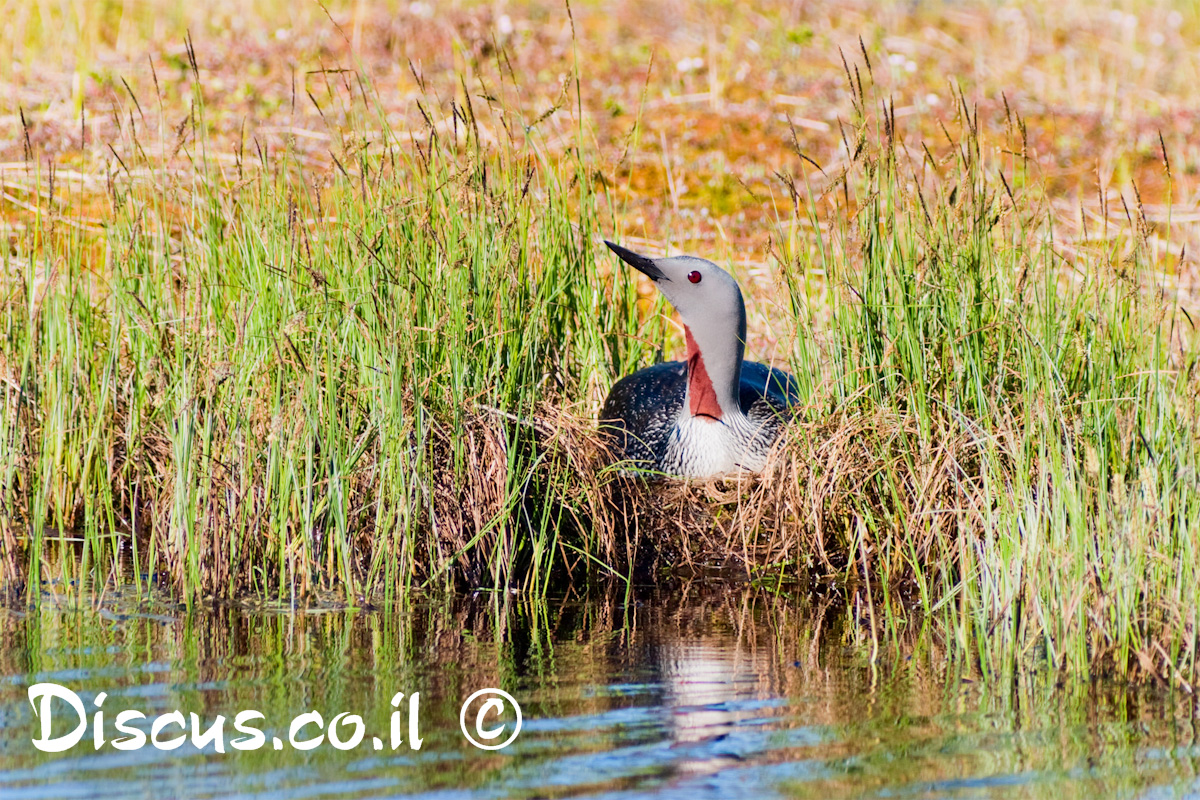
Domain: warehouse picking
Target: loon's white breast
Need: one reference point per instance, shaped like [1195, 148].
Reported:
[700, 447]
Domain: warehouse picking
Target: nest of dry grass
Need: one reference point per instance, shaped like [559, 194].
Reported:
[814, 511]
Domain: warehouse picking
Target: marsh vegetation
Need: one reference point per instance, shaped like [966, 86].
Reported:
[361, 351]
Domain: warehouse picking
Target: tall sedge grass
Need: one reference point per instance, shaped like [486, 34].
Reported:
[288, 384]
[1016, 428]
[384, 376]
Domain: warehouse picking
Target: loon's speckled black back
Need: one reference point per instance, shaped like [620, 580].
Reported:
[641, 409]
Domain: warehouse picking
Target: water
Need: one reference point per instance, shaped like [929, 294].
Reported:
[697, 692]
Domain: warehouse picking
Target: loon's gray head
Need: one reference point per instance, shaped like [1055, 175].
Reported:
[703, 293]
[710, 303]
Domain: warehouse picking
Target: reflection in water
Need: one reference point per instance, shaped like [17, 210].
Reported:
[715, 680]
[691, 693]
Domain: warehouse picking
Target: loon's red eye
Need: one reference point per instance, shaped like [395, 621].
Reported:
[694, 276]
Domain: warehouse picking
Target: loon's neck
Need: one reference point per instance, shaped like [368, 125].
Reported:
[714, 377]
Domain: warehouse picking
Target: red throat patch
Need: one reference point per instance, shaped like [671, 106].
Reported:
[702, 397]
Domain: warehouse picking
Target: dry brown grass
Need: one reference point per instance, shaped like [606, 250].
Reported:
[814, 511]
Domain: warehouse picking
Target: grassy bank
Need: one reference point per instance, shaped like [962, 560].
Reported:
[281, 382]
[260, 376]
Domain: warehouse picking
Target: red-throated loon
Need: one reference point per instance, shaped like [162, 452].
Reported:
[713, 413]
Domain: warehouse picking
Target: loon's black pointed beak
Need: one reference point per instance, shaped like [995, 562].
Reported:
[642, 264]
